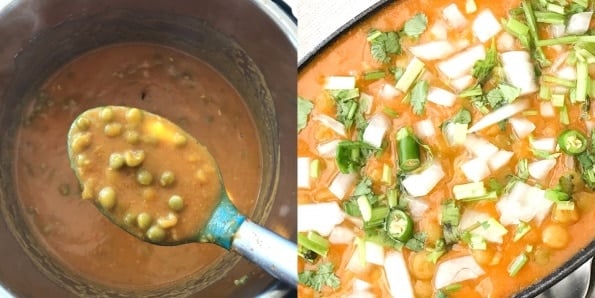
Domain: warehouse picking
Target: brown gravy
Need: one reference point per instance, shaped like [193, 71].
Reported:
[157, 79]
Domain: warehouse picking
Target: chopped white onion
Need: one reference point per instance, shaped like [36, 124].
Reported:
[456, 270]
[417, 207]
[590, 125]
[439, 30]
[579, 23]
[331, 123]
[523, 203]
[397, 275]
[485, 26]
[388, 91]
[500, 114]
[328, 149]
[519, 71]
[454, 17]
[376, 129]
[339, 82]
[476, 169]
[357, 263]
[374, 253]
[505, 42]
[546, 109]
[462, 83]
[360, 285]
[303, 172]
[544, 144]
[433, 50]
[441, 97]
[567, 72]
[342, 184]
[541, 168]
[500, 159]
[425, 128]
[341, 235]
[521, 127]
[480, 147]
[462, 63]
[492, 231]
[319, 217]
[420, 184]
[455, 133]
[361, 294]
[557, 30]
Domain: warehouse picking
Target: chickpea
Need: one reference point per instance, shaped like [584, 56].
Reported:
[421, 267]
[423, 289]
[483, 257]
[555, 236]
[565, 216]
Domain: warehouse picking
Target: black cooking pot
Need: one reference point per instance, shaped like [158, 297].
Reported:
[251, 43]
[581, 257]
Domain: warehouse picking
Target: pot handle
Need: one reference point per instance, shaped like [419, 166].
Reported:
[273, 253]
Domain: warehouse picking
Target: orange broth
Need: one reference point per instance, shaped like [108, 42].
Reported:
[350, 55]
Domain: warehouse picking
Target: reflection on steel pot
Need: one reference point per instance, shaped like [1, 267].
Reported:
[251, 44]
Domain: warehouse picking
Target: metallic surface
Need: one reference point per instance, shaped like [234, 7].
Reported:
[272, 253]
[237, 37]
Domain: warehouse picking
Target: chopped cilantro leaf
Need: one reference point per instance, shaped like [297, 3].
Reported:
[347, 105]
[304, 108]
[463, 116]
[383, 44]
[482, 69]
[418, 97]
[417, 242]
[324, 276]
[450, 218]
[415, 26]
[352, 155]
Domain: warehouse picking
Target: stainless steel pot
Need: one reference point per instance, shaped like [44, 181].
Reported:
[252, 43]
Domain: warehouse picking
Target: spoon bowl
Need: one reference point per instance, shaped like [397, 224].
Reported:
[155, 181]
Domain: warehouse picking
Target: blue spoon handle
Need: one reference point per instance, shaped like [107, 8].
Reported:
[231, 230]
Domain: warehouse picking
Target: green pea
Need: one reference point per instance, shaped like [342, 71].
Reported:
[83, 123]
[130, 219]
[144, 220]
[106, 114]
[176, 203]
[156, 234]
[81, 142]
[116, 161]
[167, 178]
[134, 157]
[107, 198]
[134, 116]
[112, 129]
[144, 177]
[132, 137]
[179, 139]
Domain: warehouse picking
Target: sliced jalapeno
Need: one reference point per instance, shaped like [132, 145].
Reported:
[399, 225]
[572, 142]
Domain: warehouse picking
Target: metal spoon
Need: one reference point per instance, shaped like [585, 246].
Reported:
[97, 131]
[574, 285]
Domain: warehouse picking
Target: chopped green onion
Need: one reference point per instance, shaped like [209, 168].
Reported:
[582, 3]
[565, 205]
[315, 168]
[469, 190]
[558, 81]
[351, 208]
[582, 81]
[365, 208]
[408, 150]
[521, 230]
[477, 242]
[557, 100]
[413, 70]
[517, 264]
[549, 17]
[377, 218]
[556, 195]
[517, 29]
[386, 174]
[545, 92]
[390, 112]
[570, 39]
[533, 32]
[312, 241]
[374, 75]
[564, 117]
[392, 196]
[555, 8]
[450, 217]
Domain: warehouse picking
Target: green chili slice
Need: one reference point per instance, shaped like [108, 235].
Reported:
[408, 150]
[399, 225]
[572, 142]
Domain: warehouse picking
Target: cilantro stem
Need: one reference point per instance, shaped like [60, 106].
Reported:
[532, 24]
[570, 39]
